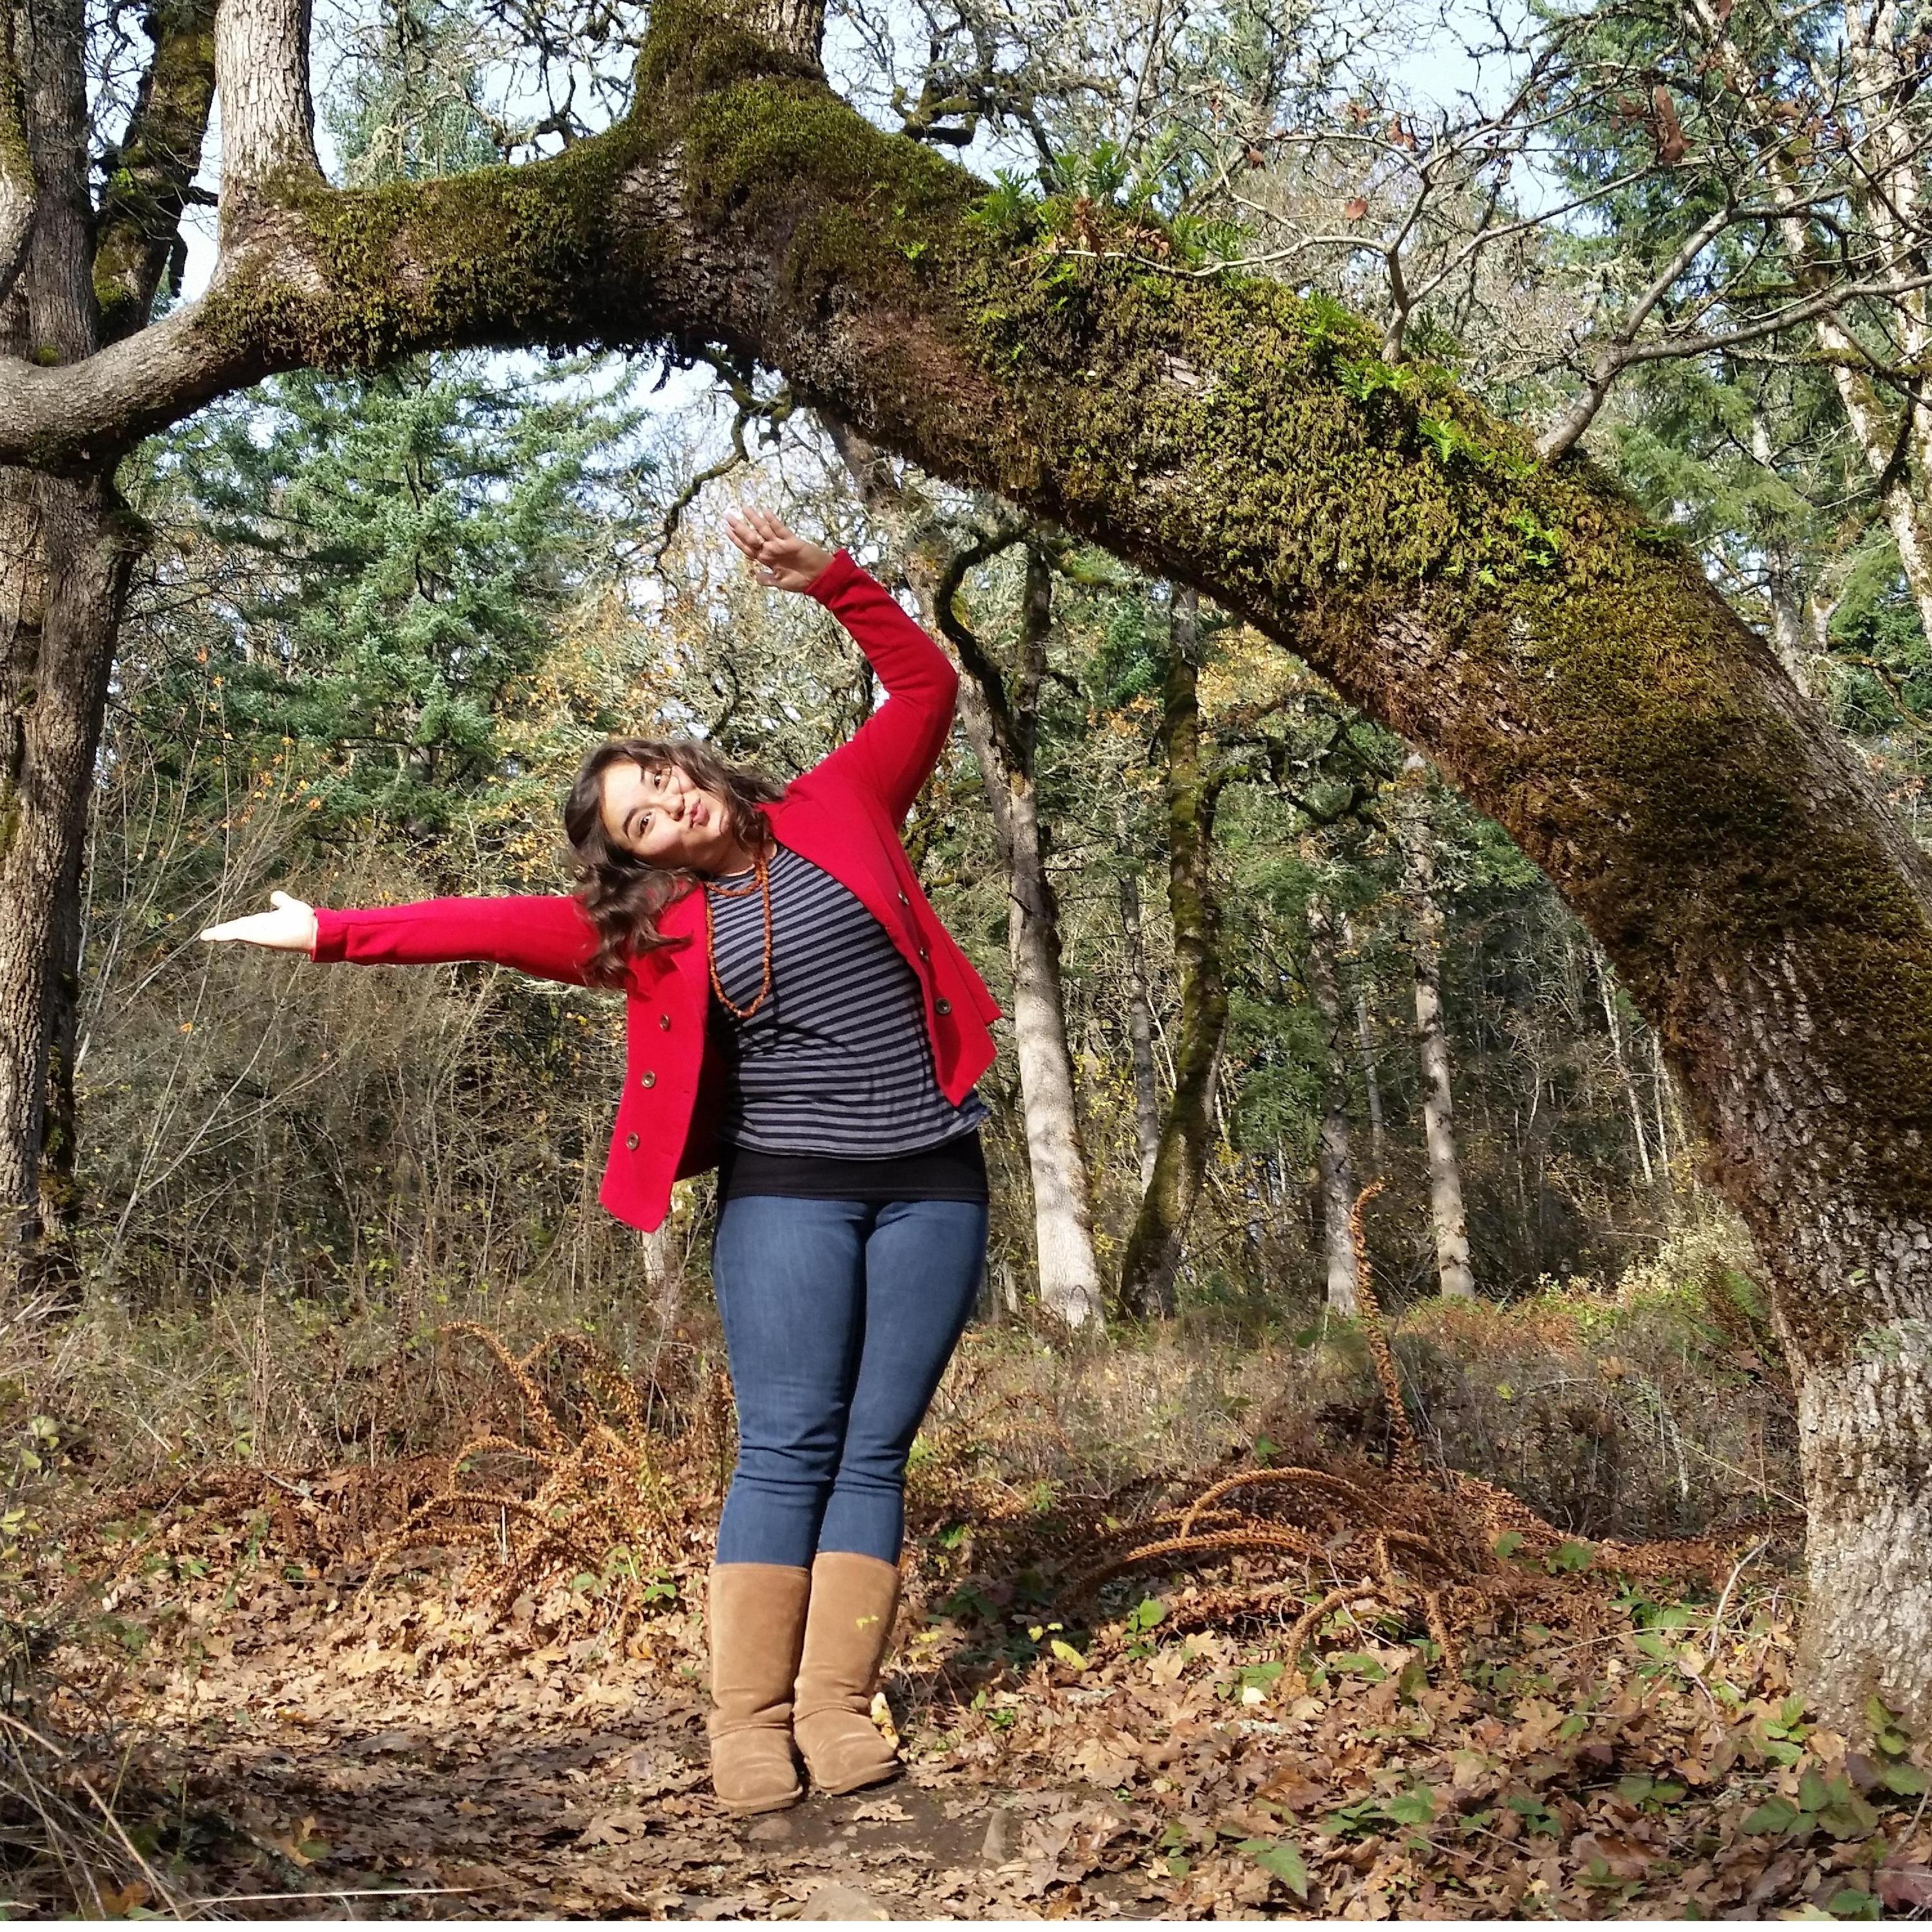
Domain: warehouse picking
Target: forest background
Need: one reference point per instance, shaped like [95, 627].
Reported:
[1255, 955]
[381, 618]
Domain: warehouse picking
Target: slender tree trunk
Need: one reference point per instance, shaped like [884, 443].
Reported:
[1790, 636]
[1365, 1045]
[1438, 1116]
[1660, 1080]
[1335, 1169]
[1069, 1276]
[1000, 724]
[1140, 1030]
[1155, 1247]
[1606, 991]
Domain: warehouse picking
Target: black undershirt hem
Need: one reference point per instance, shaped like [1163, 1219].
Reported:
[955, 1170]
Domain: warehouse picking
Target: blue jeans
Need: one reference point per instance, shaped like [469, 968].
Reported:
[840, 1317]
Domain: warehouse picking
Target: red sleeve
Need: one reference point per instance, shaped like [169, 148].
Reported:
[893, 754]
[550, 938]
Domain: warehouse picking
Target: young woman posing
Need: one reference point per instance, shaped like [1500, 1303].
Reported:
[798, 1017]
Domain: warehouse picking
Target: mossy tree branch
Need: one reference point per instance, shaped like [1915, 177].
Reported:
[138, 226]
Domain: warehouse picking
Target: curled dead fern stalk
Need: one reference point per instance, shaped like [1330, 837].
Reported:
[1432, 1547]
[591, 1491]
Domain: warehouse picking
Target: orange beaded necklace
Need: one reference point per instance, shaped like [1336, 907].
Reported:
[760, 882]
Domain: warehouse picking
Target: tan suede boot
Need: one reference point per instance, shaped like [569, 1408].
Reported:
[847, 1627]
[757, 1630]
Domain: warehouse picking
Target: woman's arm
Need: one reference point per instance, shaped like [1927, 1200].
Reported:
[549, 937]
[893, 754]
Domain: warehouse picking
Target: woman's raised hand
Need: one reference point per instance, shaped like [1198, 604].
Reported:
[290, 927]
[779, 560]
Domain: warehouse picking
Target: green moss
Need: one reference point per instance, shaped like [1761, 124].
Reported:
[507, 255]
[690, 52]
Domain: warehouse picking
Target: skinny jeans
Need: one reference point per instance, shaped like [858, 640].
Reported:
[839, 1318]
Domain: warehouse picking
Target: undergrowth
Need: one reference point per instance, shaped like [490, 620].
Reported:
[1470, 1471]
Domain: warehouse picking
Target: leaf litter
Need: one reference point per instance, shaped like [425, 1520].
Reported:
[1352, 1691]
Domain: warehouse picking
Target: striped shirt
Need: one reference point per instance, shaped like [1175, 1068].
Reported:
[837, 1059]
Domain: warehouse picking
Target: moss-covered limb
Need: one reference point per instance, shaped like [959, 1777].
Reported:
[1154, 1248]
[138, 229]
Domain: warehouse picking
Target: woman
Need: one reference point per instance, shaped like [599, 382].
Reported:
[797, 1017]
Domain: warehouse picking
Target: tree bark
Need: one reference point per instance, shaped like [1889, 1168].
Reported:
[1155, 1248]
[1452, 1270]
[1001, 725]
[1565, 662]
[66, 548]
[1069, 1276]
[1335, 1169]
[66, 552]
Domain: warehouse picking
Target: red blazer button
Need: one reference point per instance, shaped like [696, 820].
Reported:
[664, 1020]
[647, 1080]
[942, 1007]
[631, 1141]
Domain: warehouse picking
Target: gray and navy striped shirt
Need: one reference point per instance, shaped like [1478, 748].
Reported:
[836, 1061]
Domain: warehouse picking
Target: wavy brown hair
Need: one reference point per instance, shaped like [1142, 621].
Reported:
[623, 894]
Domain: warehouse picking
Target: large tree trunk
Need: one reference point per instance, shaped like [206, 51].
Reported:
[65, 556]
[1566, 663]
[1335, 1168]
[1152, 1262]
[67, 545]
[1446, 1218]
[1001, 725]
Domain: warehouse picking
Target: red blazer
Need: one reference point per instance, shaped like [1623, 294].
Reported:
[844, 815]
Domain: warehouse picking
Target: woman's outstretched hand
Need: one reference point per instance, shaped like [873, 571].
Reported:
[290, 927]
[779, 560]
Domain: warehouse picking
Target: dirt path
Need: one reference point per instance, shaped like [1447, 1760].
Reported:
[553, 1820]
[331, 1749]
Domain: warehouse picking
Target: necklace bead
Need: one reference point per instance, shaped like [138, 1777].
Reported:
[760, 882]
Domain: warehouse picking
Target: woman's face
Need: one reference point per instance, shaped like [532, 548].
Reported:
[662, 815]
